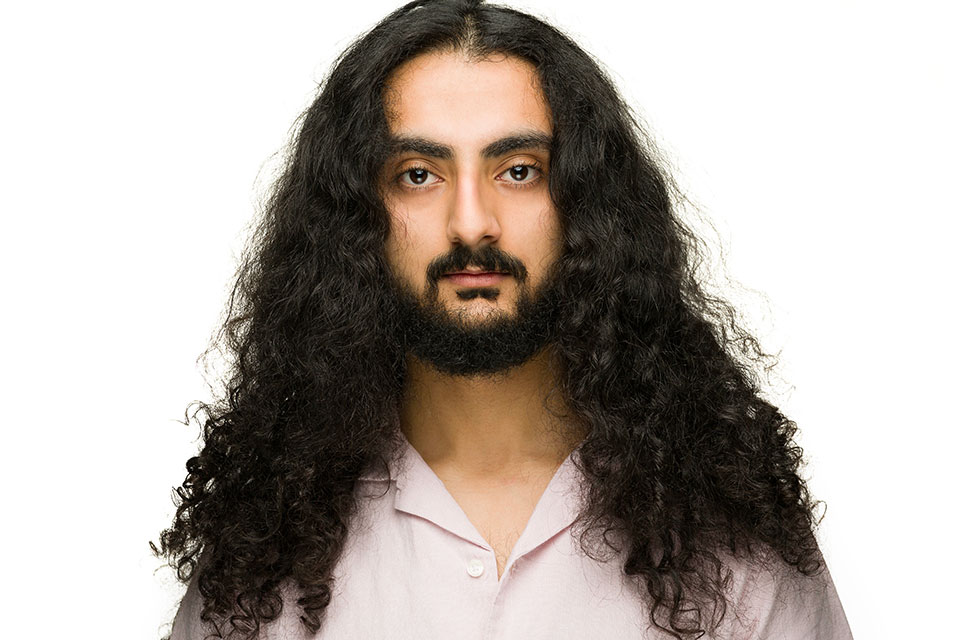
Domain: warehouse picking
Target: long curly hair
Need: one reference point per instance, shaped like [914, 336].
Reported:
[683, 461]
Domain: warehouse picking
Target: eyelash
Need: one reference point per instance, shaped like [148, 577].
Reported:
[514, 185]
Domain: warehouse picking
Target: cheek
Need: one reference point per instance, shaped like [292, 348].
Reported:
[397, 243]
[405, 250]
[551, 238]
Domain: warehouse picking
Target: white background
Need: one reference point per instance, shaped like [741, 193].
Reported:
[820, 138]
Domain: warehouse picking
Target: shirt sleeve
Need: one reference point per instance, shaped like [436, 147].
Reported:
[186, 624]
[780, 603]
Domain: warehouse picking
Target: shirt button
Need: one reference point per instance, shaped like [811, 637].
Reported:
[475, 567]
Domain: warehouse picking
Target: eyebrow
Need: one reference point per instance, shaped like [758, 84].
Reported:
[521, 140]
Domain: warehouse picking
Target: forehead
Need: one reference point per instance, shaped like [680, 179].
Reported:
[448, 97]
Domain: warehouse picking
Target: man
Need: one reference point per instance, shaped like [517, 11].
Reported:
[477, 392]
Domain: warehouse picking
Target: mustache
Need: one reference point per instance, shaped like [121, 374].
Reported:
[488, 258]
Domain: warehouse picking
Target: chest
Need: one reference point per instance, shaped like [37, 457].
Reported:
[500, 512]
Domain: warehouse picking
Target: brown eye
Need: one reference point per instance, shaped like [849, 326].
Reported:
[519, 172]
[522, 175]
[416, 178]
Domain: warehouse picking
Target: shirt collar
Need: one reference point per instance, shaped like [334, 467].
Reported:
[420, 492]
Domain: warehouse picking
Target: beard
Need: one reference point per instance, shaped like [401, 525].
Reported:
[462, 343]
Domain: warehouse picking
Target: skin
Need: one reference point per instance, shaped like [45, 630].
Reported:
[484, 433]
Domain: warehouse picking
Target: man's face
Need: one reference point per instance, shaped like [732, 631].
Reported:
[467, 191]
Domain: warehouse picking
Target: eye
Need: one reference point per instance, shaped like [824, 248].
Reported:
[523, 174]
[418, 178]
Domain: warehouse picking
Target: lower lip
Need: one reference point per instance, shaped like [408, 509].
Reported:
[479, 280]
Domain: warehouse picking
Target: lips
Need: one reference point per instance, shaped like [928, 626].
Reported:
[480, 279]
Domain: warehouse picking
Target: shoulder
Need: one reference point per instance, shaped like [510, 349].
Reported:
[770, 599]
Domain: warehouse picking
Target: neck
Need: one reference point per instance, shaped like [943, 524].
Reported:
[499, 426]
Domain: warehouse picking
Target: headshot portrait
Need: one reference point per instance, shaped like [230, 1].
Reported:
[476, 381]
[495, 320]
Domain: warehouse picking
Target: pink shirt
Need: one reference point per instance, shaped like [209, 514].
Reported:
[416, 568]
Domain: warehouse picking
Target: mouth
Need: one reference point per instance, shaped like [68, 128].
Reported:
[475, 279]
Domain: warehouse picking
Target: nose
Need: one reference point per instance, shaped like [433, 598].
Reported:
[472, 219]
